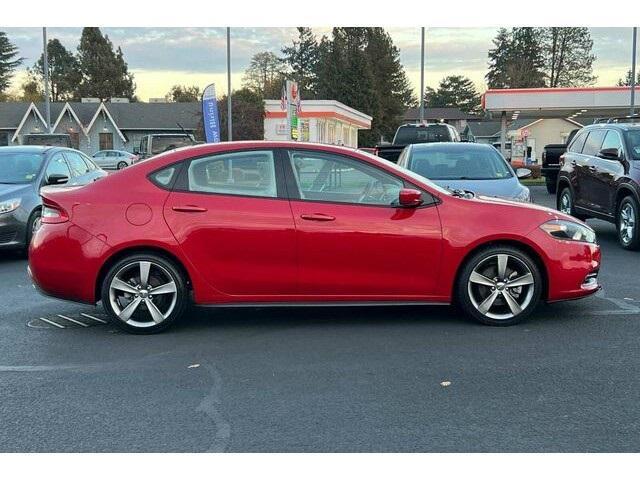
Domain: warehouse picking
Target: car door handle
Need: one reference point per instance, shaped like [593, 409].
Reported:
[317, 217]
[574, 163]
[188, 208]
[593, 168]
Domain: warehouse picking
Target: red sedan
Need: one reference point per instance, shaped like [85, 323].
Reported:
[278, 223]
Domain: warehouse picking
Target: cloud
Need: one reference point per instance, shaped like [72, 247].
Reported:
[161, 57]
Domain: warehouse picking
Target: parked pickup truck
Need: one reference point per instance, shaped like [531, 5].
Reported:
[156, 143]
[416, 133]
[551, 161]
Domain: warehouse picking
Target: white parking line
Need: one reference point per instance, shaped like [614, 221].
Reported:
[51, 322]
[78, 322]
[93, 318]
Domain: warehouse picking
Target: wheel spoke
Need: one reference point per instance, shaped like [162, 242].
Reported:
[488, 302]
[513, 305]
[481, 279]
[118, 284]
[145, 267]
[526, 279]
[502, 266]
[126, 312]
[165, 288]
[156, 314]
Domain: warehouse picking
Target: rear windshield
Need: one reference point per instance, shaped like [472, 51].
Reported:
[455, 162]
[412, 134]
[164, 144]
[18, 167]
[634, 143]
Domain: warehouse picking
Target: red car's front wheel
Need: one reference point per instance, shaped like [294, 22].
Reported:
[499, 286]
[144, 293]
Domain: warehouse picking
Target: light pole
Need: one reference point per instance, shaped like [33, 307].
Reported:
[422, 76]
[45, 64]
[633, 72]
[229, 121]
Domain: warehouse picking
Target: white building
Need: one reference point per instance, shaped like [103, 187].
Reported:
[320, 121]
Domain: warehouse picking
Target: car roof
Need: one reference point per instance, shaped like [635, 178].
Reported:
[451, 145]
[28, 148]
[617, 126]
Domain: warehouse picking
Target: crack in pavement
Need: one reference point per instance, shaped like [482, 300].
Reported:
[210, 405]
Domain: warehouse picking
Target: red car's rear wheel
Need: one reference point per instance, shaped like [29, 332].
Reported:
[144, 293]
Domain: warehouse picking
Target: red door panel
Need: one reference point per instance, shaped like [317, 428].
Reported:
[243, 246]
[360, 252]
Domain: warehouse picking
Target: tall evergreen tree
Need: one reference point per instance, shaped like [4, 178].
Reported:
[454, 91]
[9, 61]
[626, 80]
[391, 88]
[516, 61]
[302, 59]
[568, 56]
[64, 71]
[105, 73]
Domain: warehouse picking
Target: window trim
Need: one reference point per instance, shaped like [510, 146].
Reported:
[294, 194]
[181, 181]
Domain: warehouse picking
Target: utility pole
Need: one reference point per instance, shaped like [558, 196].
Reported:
[229, 121]
[633, 72]
[422, 76]
[45, 55]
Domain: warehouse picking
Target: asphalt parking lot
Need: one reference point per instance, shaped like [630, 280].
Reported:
[325, 379]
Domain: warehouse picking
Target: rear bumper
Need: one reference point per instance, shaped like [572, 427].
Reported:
[64, 262]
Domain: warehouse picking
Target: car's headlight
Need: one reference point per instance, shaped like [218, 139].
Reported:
[566, 230]
[10, 205]
[524, 195]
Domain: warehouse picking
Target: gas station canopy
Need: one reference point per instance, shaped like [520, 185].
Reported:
[574, 103]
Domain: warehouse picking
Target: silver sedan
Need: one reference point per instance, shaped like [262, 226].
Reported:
[117, 159]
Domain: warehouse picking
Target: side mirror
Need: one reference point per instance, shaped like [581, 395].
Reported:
[410, 197]
[57, 179]
[610, 154]
[523, 173]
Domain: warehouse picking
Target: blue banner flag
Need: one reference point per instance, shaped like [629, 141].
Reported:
[210, 115]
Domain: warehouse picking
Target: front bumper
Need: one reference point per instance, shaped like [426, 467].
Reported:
[13, 230]
[571, 267]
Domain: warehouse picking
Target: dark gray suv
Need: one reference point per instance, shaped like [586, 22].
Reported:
[23, 171]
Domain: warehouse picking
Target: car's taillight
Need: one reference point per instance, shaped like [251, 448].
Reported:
[51, 214]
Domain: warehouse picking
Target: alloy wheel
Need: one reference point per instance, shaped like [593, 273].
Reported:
[143, 294]
[501, 286]
[627, 223]
[565, 202]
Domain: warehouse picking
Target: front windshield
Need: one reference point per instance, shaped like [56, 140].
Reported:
[409, 173]
[634, 143]
[455, 162]
[19, 167]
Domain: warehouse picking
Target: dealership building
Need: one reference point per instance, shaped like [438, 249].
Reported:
[93, 125]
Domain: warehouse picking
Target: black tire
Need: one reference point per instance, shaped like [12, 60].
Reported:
[629, 238]
[141, 317]
[121, 165]
[32, 225]
[552, 184]
[527, 297]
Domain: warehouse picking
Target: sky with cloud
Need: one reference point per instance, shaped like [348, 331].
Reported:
[162, 57]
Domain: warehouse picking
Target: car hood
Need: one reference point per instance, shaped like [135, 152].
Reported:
[503, 187]
[550, 213]
[10, 190]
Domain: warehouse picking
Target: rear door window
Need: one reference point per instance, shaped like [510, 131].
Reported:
[594, 142]
[77, 164]
[578, 143]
